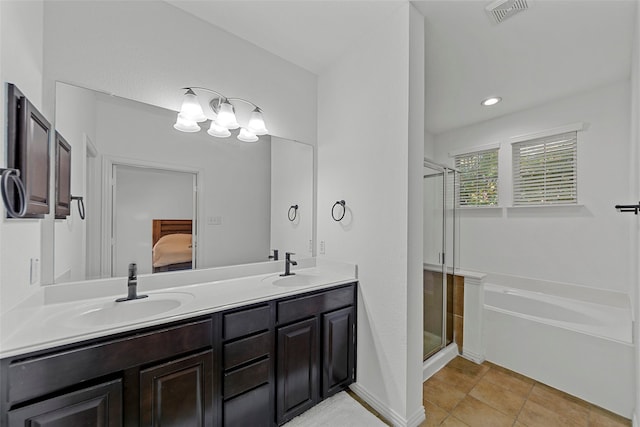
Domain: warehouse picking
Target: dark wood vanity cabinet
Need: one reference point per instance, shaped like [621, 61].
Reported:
[256, 365]
[315, 348]
[156, 376]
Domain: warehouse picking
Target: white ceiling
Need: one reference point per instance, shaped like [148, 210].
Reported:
[554, 49]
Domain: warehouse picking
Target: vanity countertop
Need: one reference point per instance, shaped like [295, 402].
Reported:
[60, 316]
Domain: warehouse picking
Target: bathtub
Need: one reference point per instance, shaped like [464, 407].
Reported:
[575, 339]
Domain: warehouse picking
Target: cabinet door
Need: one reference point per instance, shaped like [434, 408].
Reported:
[99, 406]
[178, 393]
[337, 350]
[297, 383]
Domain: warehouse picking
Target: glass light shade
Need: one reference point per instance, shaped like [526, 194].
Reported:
[191, 108]
[247, 136]
[256, 123]
[227, 116]
[184, 125]
[218, 131]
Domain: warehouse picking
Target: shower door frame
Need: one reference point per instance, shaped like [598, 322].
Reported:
[443, 256]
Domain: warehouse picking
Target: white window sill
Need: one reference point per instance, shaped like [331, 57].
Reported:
[569, 205]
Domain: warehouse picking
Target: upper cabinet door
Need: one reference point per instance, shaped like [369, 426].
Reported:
[28, 150]
[63, 177]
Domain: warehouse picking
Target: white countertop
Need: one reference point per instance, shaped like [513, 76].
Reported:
[58, 315]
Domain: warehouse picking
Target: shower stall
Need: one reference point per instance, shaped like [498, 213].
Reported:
[441, 231]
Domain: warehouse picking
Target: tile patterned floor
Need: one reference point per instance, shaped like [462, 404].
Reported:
[464, 394]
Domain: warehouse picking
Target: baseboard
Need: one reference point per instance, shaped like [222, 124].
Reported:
[474, 357]
[389, 414]
[439, 361]
[417, 418]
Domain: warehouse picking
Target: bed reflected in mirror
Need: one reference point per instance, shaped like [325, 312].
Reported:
[172, 245]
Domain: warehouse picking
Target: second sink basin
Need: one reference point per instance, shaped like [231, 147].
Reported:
[111, 312]
[294, 280]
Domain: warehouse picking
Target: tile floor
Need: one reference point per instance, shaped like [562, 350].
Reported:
[469, 395]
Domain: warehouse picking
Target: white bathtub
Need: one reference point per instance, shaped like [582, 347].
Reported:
[577, 339]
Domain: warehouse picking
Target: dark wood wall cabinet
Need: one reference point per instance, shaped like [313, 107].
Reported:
[63, 177]
[28, 150]
[256, 365]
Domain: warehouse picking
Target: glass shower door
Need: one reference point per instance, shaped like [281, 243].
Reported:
[434, 282]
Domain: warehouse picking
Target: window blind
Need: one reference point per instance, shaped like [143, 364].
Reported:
[545, 170]
[478, 178]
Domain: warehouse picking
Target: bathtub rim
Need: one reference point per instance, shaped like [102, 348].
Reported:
[571, 326]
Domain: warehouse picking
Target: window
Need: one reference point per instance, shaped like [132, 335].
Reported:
[478, 178]
[545, 170]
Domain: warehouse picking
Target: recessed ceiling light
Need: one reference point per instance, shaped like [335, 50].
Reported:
[491, 101]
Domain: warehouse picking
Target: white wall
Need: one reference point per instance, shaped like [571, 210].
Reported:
[22, 64]
[291, 184]
[363, 158]
[142, 195]
[76, 123]
[585, 245]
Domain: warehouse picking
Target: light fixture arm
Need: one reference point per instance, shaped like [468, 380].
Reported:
[221, 97]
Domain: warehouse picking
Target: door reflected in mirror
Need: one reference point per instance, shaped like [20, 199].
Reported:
[132, 168]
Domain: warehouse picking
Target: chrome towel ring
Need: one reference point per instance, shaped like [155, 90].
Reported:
[344, 210]
[7, 177]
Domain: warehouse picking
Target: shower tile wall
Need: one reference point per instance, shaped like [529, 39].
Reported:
[458, 310]
[433, 306]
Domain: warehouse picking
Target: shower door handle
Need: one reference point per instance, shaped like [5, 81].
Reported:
[441, 258]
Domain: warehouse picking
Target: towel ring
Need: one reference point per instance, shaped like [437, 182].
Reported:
[344, 210]
[7, 176]
[80, 200]
[293, 208]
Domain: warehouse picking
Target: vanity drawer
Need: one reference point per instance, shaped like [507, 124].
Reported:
[299, 308]
[247, 349]
[246, 378]
[245, 322]
[38, 376]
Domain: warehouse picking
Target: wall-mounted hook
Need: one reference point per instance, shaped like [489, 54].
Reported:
[344, 210]
[293, 216]
[80, 200]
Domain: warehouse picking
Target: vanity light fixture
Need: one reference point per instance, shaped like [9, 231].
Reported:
[222, 113]
[491, 101]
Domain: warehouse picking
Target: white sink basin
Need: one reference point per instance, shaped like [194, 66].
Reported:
[111, 312]
[295, 280]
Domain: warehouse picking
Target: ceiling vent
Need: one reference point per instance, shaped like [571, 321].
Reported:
[500, 10]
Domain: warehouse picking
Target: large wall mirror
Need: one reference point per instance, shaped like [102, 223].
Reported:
[223, 201]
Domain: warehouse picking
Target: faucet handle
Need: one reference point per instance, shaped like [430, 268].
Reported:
[275, 255]
[133, 270]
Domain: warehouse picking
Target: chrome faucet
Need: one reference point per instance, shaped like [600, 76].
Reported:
[288, 262]
[275, 255]
[132, 285]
